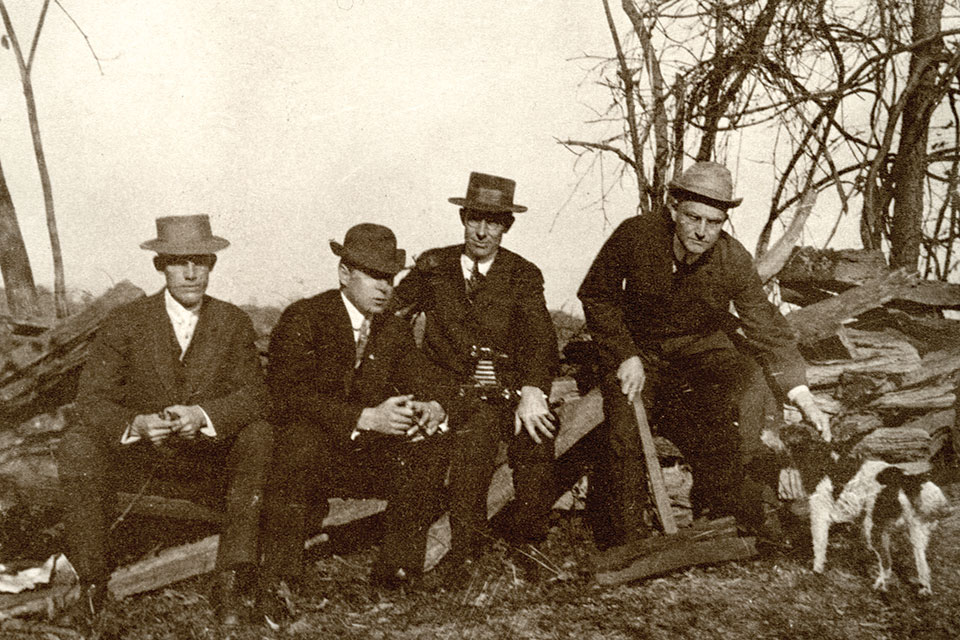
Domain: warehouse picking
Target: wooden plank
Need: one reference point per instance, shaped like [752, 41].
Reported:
[938, 396]
[683, 554]
[661, 501]
[616, 557]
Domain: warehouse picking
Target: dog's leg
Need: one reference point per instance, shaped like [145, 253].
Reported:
[919, 538]
[819, 528]
[881, 582]
[886, 561]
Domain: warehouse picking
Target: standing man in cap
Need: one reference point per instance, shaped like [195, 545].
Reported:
[656, 301]
[488, 328]
[356, 412]
[171, 398]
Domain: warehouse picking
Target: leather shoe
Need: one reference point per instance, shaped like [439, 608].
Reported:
[227, 597]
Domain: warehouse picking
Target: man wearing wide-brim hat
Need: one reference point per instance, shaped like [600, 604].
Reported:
[358, 413]
[656, 300]
[488, 328]
[171, 399]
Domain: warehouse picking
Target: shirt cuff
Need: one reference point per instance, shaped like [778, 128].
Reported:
[127, 437]
[796, 392]
[208, 429]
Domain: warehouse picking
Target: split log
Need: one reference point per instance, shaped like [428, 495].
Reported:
[895, 444]
[936, 365]
[938, 425]
[832, 270]
[616, 557]
[683, 554]
[934, 333]
[938, 396]
[823, 319]
[885, 356]
[36, 370]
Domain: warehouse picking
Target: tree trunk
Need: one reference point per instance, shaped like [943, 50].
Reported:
[909, 167]
[14, 262]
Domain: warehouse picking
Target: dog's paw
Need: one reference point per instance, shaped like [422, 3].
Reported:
[925, 591]
[880, 584]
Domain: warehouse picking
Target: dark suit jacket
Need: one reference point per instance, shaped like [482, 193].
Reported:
[134, 368]
[311, 375]
[509, 313]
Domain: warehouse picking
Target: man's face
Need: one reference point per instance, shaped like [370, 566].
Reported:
[187, 277]
[368, 291]
[698, 225]
[482, 233]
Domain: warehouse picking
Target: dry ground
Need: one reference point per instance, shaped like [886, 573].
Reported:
[773, 596]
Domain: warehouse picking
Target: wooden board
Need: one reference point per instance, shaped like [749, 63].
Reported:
[661, 501]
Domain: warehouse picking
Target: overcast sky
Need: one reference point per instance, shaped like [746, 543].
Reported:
[289, 121]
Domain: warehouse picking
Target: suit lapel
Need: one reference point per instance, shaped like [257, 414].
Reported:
[166, 349]
[200, 360]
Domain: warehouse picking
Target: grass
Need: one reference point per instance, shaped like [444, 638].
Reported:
[773, 596]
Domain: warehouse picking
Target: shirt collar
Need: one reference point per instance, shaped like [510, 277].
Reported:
[356, 316]
[176, 310]
[466, 263]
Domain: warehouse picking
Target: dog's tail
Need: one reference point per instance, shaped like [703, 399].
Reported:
[926, 497]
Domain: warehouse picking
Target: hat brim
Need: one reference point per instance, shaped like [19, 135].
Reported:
[720, 203]
[483, 206]
[211, 245]
[370, 262]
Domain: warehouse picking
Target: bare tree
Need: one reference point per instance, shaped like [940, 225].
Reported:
[21, 293]
[25, 65]
[846, 99]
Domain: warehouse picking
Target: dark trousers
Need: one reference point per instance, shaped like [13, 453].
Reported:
[692, 402]
[478, 431]
[228, 475]
[308, 470]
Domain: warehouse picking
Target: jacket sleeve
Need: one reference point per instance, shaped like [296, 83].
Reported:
[538, 351]
[766, 330]
[300, 384]
[101, 406]
[602, 296]
[246, 400]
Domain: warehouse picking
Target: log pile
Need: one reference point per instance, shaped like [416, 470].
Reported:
[883, 359]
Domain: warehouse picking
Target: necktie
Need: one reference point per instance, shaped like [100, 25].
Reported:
[473, 282]
[362, 338]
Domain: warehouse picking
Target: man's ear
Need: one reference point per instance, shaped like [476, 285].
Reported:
[509, 222]
[159, 263]
[343, 273]
[213, 261]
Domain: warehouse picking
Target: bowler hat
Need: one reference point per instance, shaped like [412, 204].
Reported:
[371, 246]
[489, 193]
[184, 236]
[710, 181]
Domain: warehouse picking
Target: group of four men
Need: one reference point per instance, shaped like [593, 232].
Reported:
[351, 405]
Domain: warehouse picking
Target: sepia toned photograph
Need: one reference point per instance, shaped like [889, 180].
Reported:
[480, 320]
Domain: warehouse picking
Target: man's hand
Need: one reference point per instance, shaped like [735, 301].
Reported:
[188, 420]
[152, 427]
[631, 376]
[790, 486]
[429, 416]
[808, 407]
[393, 417]
[533, 414]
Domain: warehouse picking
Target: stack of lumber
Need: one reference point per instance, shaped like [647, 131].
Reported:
[884, 360]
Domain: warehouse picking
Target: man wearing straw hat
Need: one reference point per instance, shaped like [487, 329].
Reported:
[356, 415]
[657, 300]
[488, 328]
[171, 399]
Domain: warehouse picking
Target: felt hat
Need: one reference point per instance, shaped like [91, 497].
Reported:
[184, 236]
[489, 193]
[707, 181]
[371, 246]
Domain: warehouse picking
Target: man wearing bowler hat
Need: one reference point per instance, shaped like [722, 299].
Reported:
[656, 301]
[356, 412]
[171, 399]
[488, 328]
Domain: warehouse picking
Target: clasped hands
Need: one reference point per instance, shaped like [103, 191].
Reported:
[176, 420]
[404, 416]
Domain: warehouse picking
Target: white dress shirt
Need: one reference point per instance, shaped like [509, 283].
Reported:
[466, 263]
